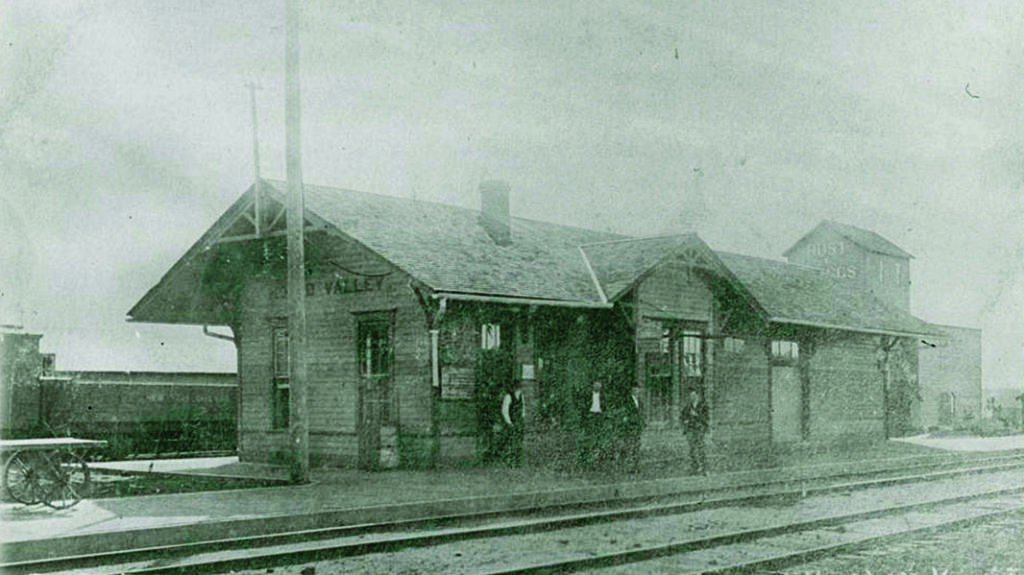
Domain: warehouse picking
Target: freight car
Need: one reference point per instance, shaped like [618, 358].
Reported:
[136, 412]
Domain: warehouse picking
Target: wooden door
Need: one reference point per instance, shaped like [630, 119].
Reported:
[377, 423]
[691, 365]
[787, 405]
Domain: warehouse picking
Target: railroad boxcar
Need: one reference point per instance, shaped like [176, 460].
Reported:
[136, 412]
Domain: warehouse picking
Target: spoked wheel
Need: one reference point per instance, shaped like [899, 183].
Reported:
[21, 478]
[64, 480]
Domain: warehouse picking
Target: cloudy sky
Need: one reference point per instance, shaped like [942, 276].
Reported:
[125, 132]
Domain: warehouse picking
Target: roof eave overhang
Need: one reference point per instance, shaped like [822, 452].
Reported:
[182, 321]
[210, 238]
[205, 240]
[873, 331]
[516, 300]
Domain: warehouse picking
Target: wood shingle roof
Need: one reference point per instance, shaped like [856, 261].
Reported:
[799, 294]
[446, 249]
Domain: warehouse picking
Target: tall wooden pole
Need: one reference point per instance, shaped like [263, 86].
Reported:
[258, 206]
[299, 416]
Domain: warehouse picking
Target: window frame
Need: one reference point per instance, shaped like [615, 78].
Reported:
[490, 336]
[786, 351]
[734, 345]
[280, 380]
[691, 345]
[659, 381]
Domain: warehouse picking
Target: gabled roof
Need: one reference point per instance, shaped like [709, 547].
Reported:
[619, 265]
[177, 297]
[866, 239]
[445, 247]
[447, 250]
[803, 295]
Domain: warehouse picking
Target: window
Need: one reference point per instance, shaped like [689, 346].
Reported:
[49, 363]
[693, 364]
[899, 272]
[673, 364]
[785, 350]
[658, 380]
[374, 356]
[490, 336]
[280, 407]
[733, 345]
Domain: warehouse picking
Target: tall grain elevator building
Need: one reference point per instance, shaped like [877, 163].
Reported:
[949, 384]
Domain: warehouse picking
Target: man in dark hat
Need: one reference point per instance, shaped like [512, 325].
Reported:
[513, 415]
[633, 428]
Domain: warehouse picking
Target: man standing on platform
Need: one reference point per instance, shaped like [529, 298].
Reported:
[513, 415]
[695, 422]
[593, 428]
[634, 429]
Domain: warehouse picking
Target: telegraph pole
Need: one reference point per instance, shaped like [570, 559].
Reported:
[258, 207]
[298, 416]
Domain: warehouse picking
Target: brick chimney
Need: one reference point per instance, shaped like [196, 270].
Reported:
[494, 215]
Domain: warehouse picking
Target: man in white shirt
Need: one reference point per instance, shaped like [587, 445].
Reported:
[593, 427]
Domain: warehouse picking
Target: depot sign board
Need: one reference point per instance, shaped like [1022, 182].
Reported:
[344, 285]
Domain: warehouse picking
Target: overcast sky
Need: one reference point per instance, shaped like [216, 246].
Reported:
[125, 132]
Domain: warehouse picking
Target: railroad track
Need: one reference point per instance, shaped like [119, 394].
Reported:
[349, 541]
[769, 549]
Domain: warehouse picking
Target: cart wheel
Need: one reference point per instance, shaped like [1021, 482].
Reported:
[21, 478]
[65, 480]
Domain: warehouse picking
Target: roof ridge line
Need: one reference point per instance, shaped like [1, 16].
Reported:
[637, 239]
[445, 205]
[593, 276]
[772, 260]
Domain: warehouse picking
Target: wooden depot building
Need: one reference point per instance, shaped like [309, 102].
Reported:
[419, 314]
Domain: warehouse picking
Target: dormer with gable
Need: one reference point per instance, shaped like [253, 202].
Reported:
[858, 256]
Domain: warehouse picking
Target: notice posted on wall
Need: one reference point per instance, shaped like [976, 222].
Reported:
[457, 383]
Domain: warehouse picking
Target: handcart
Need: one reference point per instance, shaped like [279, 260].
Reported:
[46, 471]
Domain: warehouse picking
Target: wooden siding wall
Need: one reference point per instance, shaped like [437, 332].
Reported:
[846, 389]
[458, 344]
[675, 291]
[952, 368]
[844, 260]
[333, 372]
[741, 400]
[671, 294]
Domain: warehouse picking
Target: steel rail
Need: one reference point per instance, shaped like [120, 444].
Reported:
[778, 560]
[783, 560]
[244, 546]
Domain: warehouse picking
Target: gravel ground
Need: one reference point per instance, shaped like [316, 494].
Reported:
[993, 548]
[718, 557]
[494, 553]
